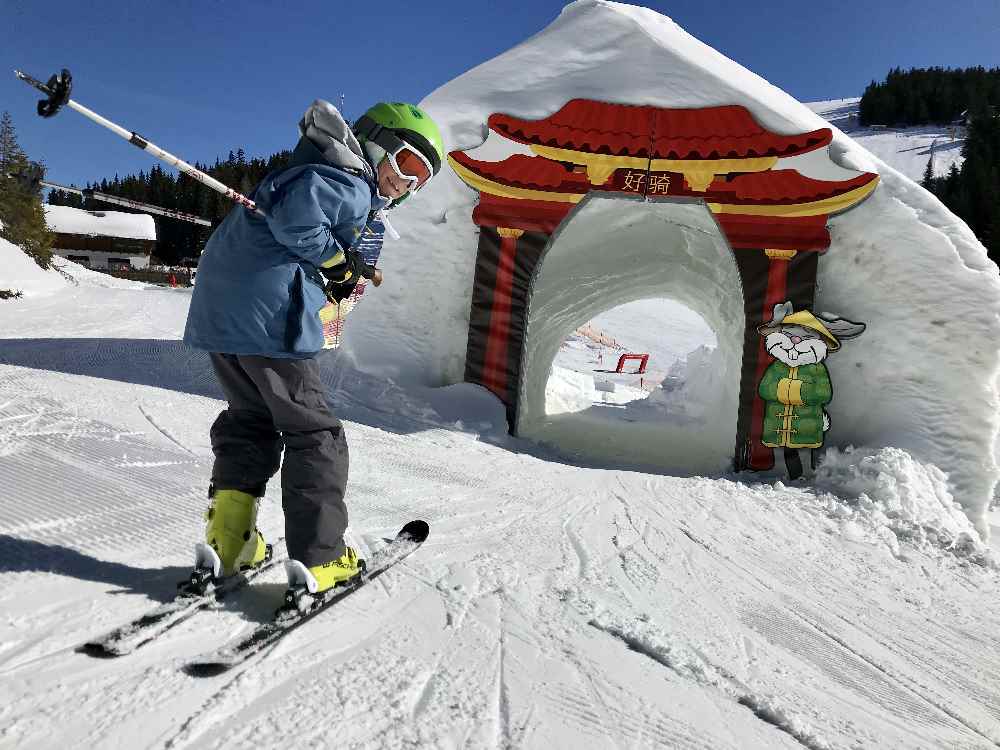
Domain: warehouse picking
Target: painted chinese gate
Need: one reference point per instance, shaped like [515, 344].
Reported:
[774, 219]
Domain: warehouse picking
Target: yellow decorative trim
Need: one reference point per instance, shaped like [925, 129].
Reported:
[599, 174]
[783, 390]
[509, 232]
[484, 185]
[699, 181]
[790, 444]
[780, 254]
[699, 173]
[600, 167]
[716, 166]
[815, 208]
[795, 393]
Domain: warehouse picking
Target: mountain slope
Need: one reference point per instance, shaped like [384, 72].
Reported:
[904, 149]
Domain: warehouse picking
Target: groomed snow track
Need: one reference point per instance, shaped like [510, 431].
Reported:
[553, 606]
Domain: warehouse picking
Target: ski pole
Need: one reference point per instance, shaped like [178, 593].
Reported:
[58, 90]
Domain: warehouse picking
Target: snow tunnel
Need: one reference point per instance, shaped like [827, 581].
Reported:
[601, 203]
[611, 251]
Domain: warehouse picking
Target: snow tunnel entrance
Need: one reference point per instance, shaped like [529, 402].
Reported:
[628, 353]
[535, 179]
[611, 252]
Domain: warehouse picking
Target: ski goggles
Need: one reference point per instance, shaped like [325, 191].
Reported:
[410, 165]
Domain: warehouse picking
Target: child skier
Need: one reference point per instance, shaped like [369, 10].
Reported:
[261, 284]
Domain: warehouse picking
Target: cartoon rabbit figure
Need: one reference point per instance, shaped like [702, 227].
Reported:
[796, 387]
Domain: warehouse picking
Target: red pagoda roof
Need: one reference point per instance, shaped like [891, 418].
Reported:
[780, 186]
[773, 187]
[728, 132]
[530, 172]
[725, 133]
[584, 125]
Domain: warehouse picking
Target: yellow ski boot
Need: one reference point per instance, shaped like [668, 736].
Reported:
[232, 532]
[336, 572]
[306, 585]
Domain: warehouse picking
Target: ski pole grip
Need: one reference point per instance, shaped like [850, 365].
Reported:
[57, 90]
[370, 272]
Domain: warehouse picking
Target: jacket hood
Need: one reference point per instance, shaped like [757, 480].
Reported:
[326, 130]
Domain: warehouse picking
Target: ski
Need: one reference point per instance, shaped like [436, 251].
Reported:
[128, 637]
[299, 610]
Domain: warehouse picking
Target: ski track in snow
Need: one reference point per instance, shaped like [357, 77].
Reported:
[552, 606]
[468, 644]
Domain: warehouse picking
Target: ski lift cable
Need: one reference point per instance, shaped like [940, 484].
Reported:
[129, 203]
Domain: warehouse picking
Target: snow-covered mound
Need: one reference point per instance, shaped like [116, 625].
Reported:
[69, 220]
[901, 262]
[897, 499]
[20, 273]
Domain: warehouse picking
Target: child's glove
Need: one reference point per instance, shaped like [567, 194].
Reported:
[342, 278]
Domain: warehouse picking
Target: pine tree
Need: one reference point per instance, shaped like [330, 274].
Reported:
[928, 180]
[21, 211]
[922, 95]
[991, 232]
[176, 239]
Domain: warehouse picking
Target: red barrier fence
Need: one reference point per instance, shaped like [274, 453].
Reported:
[643, 361]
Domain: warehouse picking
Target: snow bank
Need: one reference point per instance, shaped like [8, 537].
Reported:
[69, 220]
[465, 407]
[569, 391]
[79, 274]
[923, 377]
[689, 389]
[888, 494]
[20, 273]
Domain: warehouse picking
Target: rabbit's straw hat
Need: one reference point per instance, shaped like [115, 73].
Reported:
[805, 319]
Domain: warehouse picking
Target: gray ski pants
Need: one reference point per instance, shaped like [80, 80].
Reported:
[277, 404]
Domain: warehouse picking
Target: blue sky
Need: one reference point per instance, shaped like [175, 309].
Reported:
[201, 78]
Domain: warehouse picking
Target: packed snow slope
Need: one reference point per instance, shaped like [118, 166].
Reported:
[554, 605]
[923, 377]
[906, 150]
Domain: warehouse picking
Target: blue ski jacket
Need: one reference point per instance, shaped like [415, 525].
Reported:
[258, 289]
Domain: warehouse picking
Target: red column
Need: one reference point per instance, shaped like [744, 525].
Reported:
[762, 457]
[495, 365]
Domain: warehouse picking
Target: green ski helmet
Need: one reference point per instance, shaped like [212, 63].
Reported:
[388, 126]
